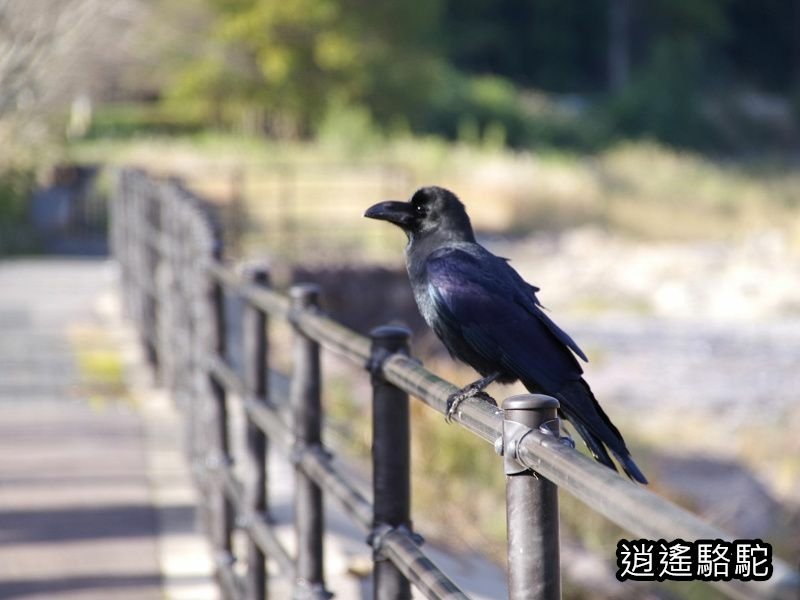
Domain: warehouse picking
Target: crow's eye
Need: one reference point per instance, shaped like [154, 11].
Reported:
[419, 209]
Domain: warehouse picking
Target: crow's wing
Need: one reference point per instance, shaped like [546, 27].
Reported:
[485, 313]
[480, 300]
[531, 302]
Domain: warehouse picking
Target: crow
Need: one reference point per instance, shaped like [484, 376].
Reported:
[487, 316]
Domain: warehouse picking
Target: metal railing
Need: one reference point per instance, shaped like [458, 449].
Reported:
[175, 281]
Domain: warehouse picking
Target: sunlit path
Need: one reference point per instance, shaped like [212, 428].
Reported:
[77, 518]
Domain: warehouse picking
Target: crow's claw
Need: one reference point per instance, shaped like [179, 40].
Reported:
[452, 405]
[455, 400]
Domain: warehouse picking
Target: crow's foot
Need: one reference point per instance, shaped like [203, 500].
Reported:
[470, 391]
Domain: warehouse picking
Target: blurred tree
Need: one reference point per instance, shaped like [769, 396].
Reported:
[765, 50]
[450, 66]
[548, 44]
[400, 67]
[676, 43]
[264, 64]
[284, 63]
[51, 53]
[619, 34]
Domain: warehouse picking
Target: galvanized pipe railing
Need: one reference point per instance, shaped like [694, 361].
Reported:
[627, 504]
[138, 212]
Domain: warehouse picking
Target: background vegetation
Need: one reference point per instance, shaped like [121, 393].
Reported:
[532, 74]
[720, 76]
[584, 97]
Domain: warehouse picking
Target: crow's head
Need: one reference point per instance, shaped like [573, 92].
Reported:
[431, 211]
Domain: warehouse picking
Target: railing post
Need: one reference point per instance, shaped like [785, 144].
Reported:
[256, 371]
[390, 462]
[307, 424]
[152, 253]
[531, 505]
[222, 511]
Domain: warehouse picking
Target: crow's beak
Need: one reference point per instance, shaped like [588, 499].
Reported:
[399, 213]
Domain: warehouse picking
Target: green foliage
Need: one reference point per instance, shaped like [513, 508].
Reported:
[492, 111]
[126, 120]
[489, 73]
[664, 100]
[16, 184]
[548, 44]
[667, 96]
[283, 65]
[15, 187]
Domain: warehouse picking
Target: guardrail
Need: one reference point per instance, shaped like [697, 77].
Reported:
[174, 282]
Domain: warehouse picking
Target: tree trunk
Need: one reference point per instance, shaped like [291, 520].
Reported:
[619, 14]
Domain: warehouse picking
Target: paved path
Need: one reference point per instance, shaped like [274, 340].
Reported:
[77, 512]
[95, 501]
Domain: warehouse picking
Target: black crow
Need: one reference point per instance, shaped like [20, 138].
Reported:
[488, 317]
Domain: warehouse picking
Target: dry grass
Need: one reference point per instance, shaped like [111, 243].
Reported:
[296, 192]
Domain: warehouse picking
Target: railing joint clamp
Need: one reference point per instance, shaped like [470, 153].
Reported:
[380, 532]
[321, 451]
[553, 428]
[377, 358]
[300, 449]
[305, 590]
[387, 341]
[293, 316]
[216, 462]
[244, 521]
[296, 453]
[513, 434]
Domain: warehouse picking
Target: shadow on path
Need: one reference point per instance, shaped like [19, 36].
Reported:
[108, 583]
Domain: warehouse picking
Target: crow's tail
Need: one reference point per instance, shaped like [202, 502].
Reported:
[583, 411]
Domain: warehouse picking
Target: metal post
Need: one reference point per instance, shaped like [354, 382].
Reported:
[198, 254]
[222, 511]
[307, 424]
[391, 468]
[236, 209]
[152, 229]
[531, 505]
[168, 317]
[255, 376]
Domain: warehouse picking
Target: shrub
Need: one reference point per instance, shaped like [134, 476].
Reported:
[664, 100]
[16, 185]
[492, 111]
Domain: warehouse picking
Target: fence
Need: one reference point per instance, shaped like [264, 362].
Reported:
[174, 282]
[287, 208]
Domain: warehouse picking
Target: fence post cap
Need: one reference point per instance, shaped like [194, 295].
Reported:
[530, 402]
[390, 333]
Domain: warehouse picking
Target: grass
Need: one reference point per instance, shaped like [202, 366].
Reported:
[100, 365]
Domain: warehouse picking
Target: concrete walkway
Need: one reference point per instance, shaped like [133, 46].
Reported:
[83, 497]
[95, 497]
